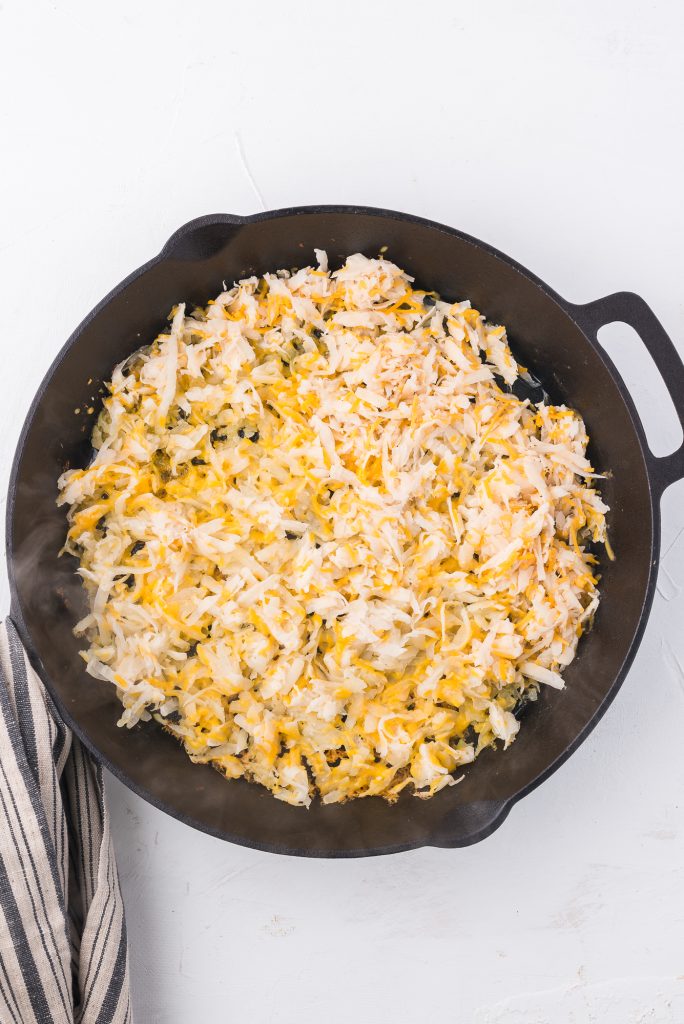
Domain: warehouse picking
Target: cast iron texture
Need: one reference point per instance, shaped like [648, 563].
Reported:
[554, 338]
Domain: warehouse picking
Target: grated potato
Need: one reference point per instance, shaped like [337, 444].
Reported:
[321, 540]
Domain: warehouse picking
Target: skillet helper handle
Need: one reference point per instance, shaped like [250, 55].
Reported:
[470, 823]
[629, 308]
[202, 237]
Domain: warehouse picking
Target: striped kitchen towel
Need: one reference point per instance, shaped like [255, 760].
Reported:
[63, 949]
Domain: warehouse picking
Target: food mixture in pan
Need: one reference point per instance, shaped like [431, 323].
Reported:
[324, 543]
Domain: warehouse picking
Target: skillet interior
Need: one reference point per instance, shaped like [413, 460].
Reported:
[47, 597]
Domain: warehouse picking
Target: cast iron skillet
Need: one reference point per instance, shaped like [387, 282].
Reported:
[554, 338]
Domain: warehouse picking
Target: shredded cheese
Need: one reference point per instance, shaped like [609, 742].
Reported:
[322, 541]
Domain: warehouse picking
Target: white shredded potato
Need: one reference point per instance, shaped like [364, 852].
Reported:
[322, 541]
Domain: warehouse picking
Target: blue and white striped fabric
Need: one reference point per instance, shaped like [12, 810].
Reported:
[63, 949]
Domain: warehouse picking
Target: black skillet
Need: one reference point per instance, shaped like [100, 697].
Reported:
[555, 338]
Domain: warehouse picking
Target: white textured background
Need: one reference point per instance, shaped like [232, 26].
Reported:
[552, 131]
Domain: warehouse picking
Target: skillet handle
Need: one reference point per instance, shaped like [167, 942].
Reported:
[629, 308]
[470, 824]
[202, 237]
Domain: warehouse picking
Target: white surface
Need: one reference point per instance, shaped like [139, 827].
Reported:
[552, 131]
